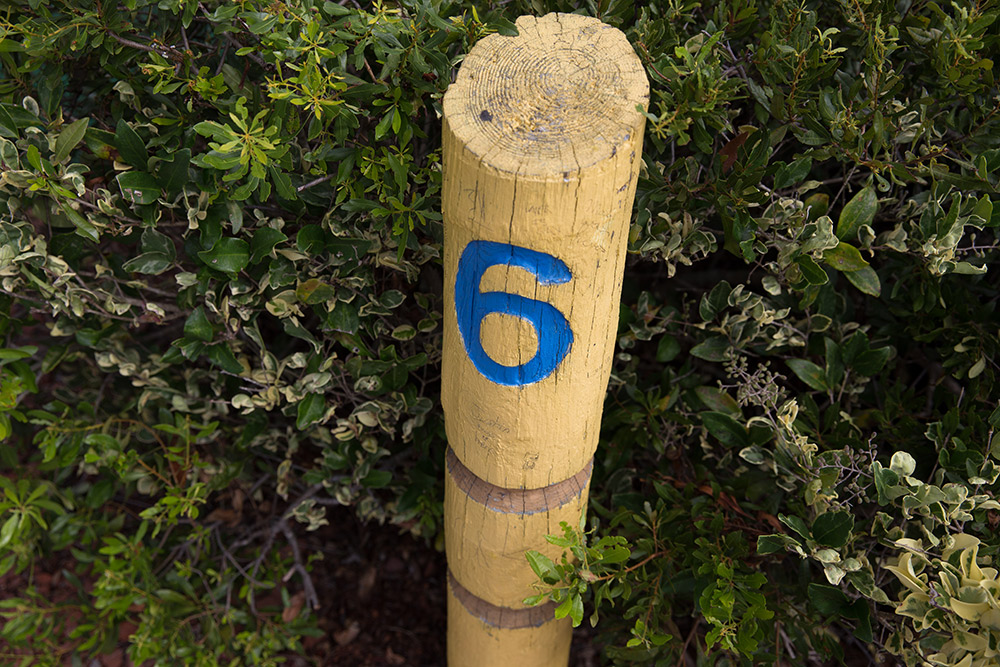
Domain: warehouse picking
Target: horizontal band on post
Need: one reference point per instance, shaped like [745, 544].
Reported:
[501, 617]
[517, 501]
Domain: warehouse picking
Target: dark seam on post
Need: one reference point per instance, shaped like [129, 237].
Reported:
[517, 501]
[501, 617]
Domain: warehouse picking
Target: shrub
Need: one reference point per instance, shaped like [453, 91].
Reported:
[220, 293]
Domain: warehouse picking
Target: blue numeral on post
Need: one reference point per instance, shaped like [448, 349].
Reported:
[471, 305]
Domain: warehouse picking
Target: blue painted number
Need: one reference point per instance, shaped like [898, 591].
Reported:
[551, 327]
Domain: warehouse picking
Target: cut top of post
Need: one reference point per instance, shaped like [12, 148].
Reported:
[558, 98]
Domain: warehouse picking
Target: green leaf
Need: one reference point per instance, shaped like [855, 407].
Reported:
[130, 146]
[149, 263]
[715, 301]
[344, 317]
[870, 362]
[138, 187]
[154, 241]
[263, 242]
[214, 130]
[769, 544]
[865, 280]
[859, 211]
[667, 349]
[377, 479]
[725, 429]
[828, 600]
[542, 566]
[313, 291]
[576, 610]
[886, 484]
[817, 205]
[718, 400]
[311, 239]
[861, 612]
[282, 184]
[811, 271]
[9, 526]
[845, 257]
[174, 174]
[713, 349]
[67, 140]
[15, 354]
[810, 373]
[796, 524]
[832, 529]
[197, 325]
[228, 254]
[84, 228]
[617, 554]
[310, 409]
[8, 128]
[221, 355]
[793, 173]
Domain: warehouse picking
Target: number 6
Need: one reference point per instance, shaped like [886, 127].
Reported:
[471, 306]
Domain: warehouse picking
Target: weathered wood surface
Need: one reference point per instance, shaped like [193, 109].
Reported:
[542, 142]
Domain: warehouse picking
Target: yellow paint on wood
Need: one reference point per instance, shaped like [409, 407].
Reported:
[473, 642]
[542, 143]
[542, 139]
[486, 546]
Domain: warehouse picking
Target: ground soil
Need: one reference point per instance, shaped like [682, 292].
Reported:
[382, 596]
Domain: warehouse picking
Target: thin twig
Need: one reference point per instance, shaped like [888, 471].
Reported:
[311, 597]
[314, 182]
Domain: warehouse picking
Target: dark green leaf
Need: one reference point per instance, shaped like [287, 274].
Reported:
[796, 524]
[828, 600]
[811, 271]
[344, 317]
[154, 241]
[7, 126]
[83, 226]
[197, 325]
[859, 211]
[150, 263]
[810, 373]
[174, 174]
[130, 146]
[713, 349]
[861, 612]
[726, 430]
[311, 239]
[228, 254]
[870, 362]
[832, 529]
[138, 187]
[313, 291]
[718, 400]
[263, 242]
[67, 140]
[845, 257]
[310, 409]
[866, 280]
[713, 302]
[667, 349]
[793, 173]
[221, 355]
[377, 479]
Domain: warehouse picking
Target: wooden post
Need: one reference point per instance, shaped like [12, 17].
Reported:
[542, 142]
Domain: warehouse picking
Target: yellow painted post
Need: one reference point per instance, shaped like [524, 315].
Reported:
[542, 143]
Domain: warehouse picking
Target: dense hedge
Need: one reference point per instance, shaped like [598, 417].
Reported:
[220, 295]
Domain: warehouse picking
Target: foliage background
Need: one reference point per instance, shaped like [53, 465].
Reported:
[220, 301]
